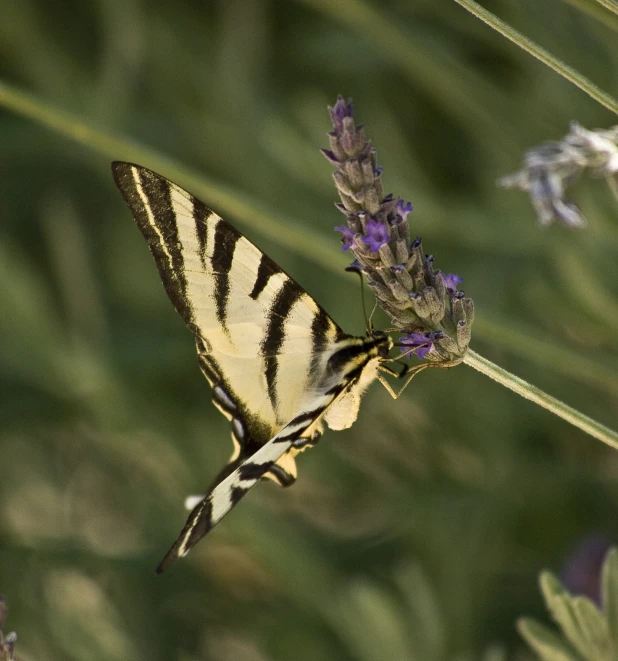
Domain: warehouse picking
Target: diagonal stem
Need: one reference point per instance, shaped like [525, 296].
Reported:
[541, 398]
[612, 5]
[541, 54]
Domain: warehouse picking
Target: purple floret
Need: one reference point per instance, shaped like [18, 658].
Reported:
[451, 281]
[376, 235]
[422, 342]
[403, 209]
[347, 238]
[341, 110]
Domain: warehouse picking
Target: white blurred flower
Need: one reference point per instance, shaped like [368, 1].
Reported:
[552, 167]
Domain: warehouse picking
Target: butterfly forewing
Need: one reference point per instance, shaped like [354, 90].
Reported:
[259, 327]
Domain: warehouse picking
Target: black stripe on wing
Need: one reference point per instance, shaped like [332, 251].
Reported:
[226, 238]
[148, 197]
[274, 334]
[201, 214]
[266, 270]
[162, 238]
[320, 329]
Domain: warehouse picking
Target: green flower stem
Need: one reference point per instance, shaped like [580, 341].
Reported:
[510, 335]
[541, 54]
[612, 5]
[541, 398]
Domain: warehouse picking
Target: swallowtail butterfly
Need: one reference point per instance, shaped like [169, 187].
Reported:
[278, 365]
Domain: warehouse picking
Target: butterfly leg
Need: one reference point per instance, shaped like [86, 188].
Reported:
[392, 372]
[387, 385]
[407, 370]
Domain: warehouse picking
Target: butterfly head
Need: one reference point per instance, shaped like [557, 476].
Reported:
[382, 342]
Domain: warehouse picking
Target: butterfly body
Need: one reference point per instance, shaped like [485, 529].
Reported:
[278, 365]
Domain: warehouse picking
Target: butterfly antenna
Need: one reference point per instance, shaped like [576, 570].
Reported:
[375, 307]
[368, 323]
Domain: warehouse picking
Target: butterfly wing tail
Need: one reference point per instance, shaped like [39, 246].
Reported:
[227, 493]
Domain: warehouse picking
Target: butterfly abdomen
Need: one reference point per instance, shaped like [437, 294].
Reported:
[350, 355]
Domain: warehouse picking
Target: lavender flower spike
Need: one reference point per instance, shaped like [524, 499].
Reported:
[420, 300]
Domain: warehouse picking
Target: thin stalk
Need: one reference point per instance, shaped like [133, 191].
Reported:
[509, 335]
[541, 54]
[541, 398]
[612, 5]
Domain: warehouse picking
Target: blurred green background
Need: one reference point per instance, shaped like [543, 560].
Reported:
[418, 534]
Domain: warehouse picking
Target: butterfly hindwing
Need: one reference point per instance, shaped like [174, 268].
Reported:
[229, 491]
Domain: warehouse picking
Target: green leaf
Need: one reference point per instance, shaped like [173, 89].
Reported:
[609, 588]
[548, 645]
[595, 635]
[551, 587]
[580, 620]
[559, 604]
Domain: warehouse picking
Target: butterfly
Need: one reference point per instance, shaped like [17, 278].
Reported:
[278, 365]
